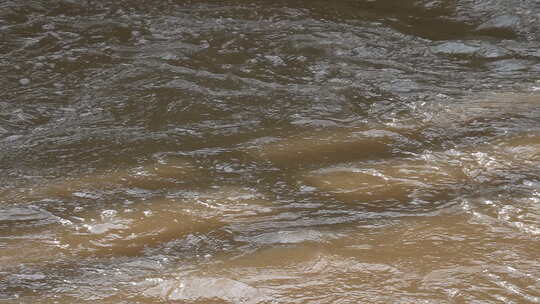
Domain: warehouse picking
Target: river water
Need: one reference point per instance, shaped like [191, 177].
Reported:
[270, 151]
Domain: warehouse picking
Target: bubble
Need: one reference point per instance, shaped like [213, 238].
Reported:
[108, 213]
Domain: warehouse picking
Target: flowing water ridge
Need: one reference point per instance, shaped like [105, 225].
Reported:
[270, 152]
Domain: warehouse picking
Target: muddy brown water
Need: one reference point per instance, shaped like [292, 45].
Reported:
[269, 151]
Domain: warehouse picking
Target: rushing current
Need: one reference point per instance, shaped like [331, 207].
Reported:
[251, 151]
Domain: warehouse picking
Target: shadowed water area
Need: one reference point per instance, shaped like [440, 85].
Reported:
[368, 151]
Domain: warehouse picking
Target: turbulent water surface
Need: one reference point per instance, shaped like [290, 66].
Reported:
[354, 151]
